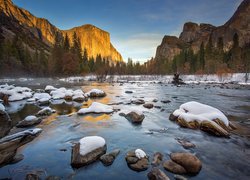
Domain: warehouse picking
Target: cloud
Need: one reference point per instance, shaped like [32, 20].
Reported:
[140, 46]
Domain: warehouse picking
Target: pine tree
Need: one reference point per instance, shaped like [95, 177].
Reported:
[66, 44]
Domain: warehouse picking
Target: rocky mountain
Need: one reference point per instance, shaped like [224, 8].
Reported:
[17, 20]
[194, 34]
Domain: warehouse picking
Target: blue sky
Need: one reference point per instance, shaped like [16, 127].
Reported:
[136, 26]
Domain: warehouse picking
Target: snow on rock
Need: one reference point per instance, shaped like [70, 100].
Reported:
[96, 93]
[2, 108]
[30, 118]
[46, 112]
[91, 143]
[21, 134]
[39, 96]
[96, 107]
[50, 88]
[195, 115]
[140, 153]
[191, 111]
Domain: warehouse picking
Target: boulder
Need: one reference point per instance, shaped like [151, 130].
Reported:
[157, 174]
[188, 161]
[138, 101]
[5, 123]
[134, 117]
[96, 93]
[29, 121]
[135, 162]
[10, 144]
[148, 106]
[108, 159]
[158, 157]
[45, 112]
[87, 150]
[174, 167]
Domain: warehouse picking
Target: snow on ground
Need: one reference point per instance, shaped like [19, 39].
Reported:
[140, 153]
[91, 143]
[2, 108]
[96, 107]
[192, 110]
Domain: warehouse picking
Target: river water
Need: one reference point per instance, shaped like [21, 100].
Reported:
[50, 153]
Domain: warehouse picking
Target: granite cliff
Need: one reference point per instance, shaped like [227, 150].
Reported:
[17, 20]
[194, 34]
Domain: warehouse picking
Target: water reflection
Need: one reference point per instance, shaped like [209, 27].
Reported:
[95, 118]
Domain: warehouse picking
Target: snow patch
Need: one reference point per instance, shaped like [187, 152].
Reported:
[30, 118]
[140, 154]
[91, 143]
[96, 107]
[2, 108]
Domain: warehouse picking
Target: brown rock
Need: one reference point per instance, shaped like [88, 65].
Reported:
[108, 159]
[185, 143]
[158, 157]
[188, 161]
[78, 160]
[5, 123]
[174, 167]
[213, 128]
[157, 174]
[134, 117]
[135, 163]
[149, 106]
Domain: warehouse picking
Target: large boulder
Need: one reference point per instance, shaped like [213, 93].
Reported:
[29, 121]
[137, 160]
[10, 144]
[195, 115]
[183, 163]
[87, 150]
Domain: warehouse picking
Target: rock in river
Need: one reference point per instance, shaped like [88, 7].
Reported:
[182, 163]
[195, 115]
[134, 117]
[87, 150]
[157, 174]
[5, 122]
[29, 121]
[137, 160]
[158, 157]
[148, 106]
[108, 159]
[10, 144]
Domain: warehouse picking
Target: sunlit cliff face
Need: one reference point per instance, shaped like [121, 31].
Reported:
[95, 40]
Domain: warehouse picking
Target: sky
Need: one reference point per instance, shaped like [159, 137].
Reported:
[136, 27]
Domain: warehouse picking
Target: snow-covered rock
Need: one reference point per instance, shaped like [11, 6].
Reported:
[140, 153]
[191, 111]
[90, 143]
[88, 150]
[2, 108]
[38, 96]
[96, 93]
[49, 88]
[96, 107]
[29, 121]
[46, 112]
[196, 115]
[43, 101]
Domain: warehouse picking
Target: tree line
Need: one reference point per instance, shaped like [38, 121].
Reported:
[211, 58]
[67, 58]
